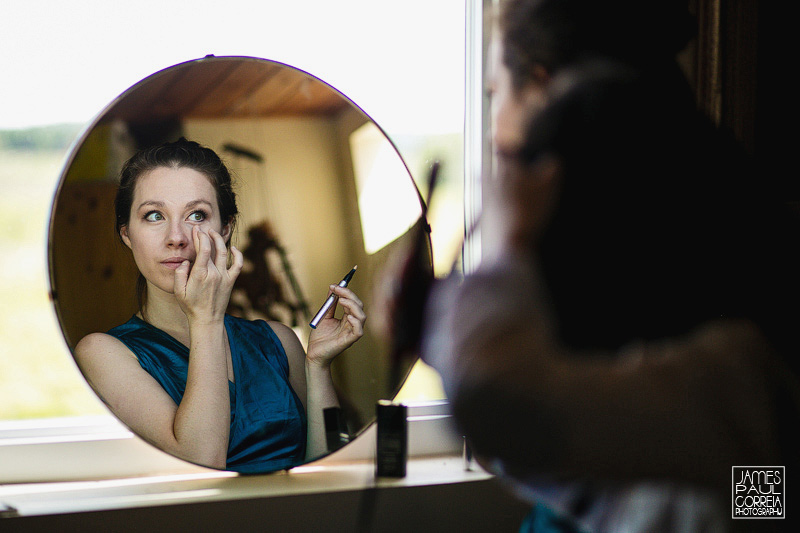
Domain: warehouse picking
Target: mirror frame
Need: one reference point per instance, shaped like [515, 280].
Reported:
[397, 375]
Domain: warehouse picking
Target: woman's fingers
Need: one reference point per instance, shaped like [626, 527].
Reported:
[212, 253]
[181, 278]
[344, 292]
[220, 255]
[331, 311]
[204, 287]
[333, 336]
[350, 303]
[202, 246]
[357, 324]
[354, 315]
[237, 264]
[353, 307]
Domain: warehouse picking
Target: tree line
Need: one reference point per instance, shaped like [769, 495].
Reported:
[53, 137]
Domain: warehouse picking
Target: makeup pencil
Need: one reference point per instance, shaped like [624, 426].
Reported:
[329, 302]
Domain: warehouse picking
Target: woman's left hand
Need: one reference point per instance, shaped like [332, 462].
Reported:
[332, 336]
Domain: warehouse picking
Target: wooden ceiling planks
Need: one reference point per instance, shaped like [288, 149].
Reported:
[227, 87]
[234, 90]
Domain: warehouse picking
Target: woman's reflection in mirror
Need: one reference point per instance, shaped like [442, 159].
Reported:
[633, 335]
[211, 388]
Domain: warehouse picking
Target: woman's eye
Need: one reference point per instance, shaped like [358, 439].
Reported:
[153, 216]
[197, 216]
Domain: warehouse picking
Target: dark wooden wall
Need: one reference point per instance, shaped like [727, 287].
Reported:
[738, 67]
[94, 276]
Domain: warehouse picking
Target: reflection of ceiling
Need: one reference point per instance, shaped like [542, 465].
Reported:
[226, 88]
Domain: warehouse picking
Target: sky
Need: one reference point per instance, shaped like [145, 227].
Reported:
[402, 62]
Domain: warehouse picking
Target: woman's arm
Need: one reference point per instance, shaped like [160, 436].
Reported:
[310, 375]
[683, 408]
[314, 388]
[198, 428]
[194, 431]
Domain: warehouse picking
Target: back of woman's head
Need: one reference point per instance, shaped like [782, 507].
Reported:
[179, 154]
[659, 225]
[556, 33]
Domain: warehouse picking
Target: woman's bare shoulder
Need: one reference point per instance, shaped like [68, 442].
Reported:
[99, 345]
[295, 355]
[285, 334]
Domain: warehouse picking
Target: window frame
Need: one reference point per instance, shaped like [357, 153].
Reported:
[88, 448]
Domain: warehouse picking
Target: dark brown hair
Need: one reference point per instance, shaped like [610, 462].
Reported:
[662, 223]
[557, 33]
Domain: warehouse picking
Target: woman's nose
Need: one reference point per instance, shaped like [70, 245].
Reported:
[179, 236]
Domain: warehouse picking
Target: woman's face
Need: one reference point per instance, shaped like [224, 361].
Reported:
[511, 108]
[167, 203]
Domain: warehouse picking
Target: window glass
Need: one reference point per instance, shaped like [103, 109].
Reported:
[39, 378]
[402, 63]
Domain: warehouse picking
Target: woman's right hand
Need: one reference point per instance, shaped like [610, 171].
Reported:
[203, 289]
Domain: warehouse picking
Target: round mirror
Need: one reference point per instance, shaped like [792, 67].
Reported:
[320, 189]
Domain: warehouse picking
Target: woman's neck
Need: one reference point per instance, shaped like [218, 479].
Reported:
[161, 309]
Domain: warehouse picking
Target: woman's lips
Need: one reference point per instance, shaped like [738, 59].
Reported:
[173, 262]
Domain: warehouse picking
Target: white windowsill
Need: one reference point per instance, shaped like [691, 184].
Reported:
[97, 464]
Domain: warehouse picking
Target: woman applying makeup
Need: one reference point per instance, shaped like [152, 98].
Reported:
[213, 389]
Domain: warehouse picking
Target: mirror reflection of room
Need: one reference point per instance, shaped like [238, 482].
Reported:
[320, 189]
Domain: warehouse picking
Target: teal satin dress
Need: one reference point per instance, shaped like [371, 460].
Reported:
[268, 422]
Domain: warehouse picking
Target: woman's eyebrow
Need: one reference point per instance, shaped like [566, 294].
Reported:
[160, 204]
[151, 203]
[195, 203]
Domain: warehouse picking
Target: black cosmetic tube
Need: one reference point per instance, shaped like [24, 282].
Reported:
[392, 452]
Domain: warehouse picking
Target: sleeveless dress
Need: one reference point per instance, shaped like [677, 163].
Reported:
[268, 422]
